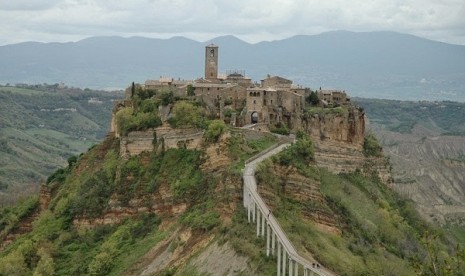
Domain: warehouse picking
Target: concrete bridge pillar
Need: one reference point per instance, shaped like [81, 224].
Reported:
[254, 213]
[258, 222]
[291, 266]
[284, 261]
[273, 241]
[268, 240]
[263, 224]
[279, 258]
[248, 213]
[296, 268]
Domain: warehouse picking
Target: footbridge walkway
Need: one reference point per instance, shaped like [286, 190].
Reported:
[289, 262]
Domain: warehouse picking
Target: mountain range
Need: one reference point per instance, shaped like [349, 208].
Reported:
[372, 64]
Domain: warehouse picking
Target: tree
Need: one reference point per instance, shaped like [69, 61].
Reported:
[186, 115]
[313, 98]
[190, 90]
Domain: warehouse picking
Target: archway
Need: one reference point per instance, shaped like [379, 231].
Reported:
[254, 117]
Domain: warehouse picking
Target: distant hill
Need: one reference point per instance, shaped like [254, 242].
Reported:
[425, 144]
[40, 127]
[373, 64]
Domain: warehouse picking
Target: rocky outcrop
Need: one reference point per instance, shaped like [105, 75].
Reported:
[339, 157]
[293, 185]
[345, 125]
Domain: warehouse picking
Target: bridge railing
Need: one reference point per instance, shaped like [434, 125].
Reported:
[250, 187]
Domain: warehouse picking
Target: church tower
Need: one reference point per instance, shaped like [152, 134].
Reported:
[211, 62]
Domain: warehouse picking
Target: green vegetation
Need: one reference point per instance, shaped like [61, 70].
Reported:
[128, 120]
[381, 234]
[401, 116]
[214, 130]
[280, 128]
[190, 90]
[56, 246]
[299, 153]
[338, 111]
[312, 99]
[11, 216]
[371, 146]
[41, 127]
[243, 238]
[186, 114]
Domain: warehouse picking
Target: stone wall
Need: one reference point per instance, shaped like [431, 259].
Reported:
[139, 141]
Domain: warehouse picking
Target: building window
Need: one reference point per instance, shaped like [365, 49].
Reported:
[254, 101]
[271, 101]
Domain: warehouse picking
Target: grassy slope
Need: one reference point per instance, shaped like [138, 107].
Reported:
[381, 234]
[35, 140]
[55, 245]
[443, 118]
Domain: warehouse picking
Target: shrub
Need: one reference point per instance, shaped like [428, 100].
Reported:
[187, 115]
[202, 217]
[280, 128]
[167, 98]
[149, 105]
[214, 130]
[92, 196]
[371, 146]
[301, 151]
[128, 121]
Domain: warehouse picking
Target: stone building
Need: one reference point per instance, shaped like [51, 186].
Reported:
[333, 97]
[271, 101]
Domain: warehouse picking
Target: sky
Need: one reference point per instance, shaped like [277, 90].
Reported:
[249, 20]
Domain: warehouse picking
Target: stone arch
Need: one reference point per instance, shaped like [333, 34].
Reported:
[254, 117]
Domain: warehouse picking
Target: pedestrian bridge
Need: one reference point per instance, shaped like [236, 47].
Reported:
[289, 262]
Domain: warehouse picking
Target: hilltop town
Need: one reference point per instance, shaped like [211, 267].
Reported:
[274, 104]
[241, 101]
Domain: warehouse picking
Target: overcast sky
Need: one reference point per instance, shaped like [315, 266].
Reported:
[250, 20]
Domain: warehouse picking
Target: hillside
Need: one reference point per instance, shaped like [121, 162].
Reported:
[374, 64]
[41, 127]
[155, 198]
[425, 142]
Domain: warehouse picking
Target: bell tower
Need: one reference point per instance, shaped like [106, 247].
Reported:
[211, 62]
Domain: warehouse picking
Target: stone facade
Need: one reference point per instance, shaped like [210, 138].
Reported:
[333, 97]
[160, 138]
[211, 62]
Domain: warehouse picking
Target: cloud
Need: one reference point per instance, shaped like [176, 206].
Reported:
[201, 19]
[25, 5]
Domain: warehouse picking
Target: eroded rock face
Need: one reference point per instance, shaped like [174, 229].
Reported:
[428, 169]
[338, 141]
[347, 126]
[296, 186]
